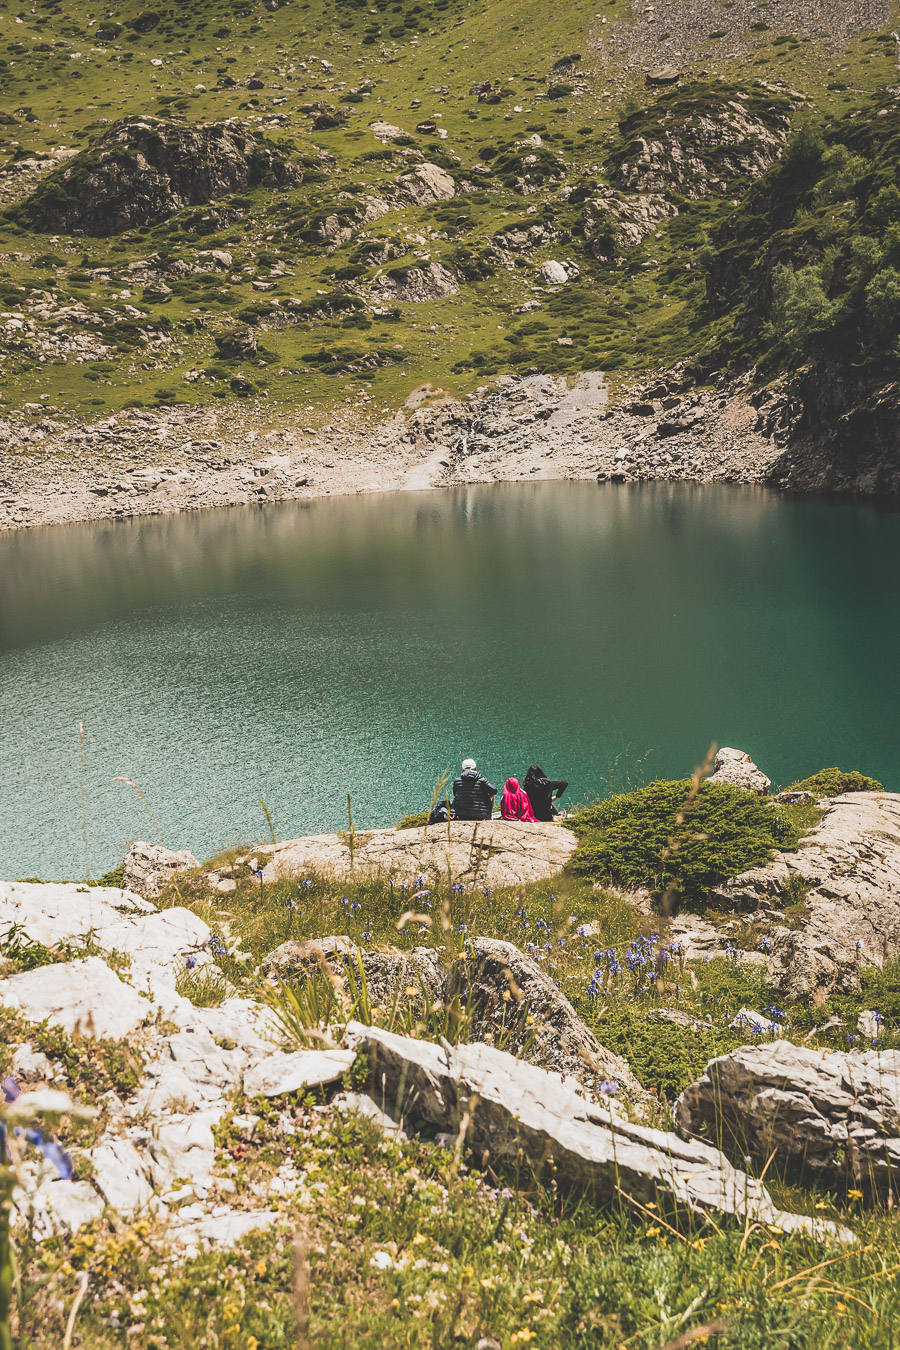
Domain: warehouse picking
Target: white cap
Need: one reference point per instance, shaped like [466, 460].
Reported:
[469, 764]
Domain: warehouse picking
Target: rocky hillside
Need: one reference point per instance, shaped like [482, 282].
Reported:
[357, 1084]
[282, 210]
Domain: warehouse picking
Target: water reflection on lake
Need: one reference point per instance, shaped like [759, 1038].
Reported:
[365, 644]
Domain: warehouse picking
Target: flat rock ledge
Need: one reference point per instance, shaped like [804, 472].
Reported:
[851, 864]
[484, 852]
[821, 1113]
[515, 1112]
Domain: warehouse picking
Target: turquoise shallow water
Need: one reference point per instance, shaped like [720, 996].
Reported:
[301, 651]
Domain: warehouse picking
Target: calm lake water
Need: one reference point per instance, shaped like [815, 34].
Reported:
[301, 651]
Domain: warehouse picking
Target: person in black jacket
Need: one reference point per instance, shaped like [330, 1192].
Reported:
[473, 795]
[543, 792]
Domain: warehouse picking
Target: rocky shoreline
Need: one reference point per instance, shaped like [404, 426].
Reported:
[536, 428]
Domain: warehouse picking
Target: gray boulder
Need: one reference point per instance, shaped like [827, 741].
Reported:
[850, 863]
[144, 169]
[505, 1111]
[514, 1004]
[827, 1114]
[149, 866]
[736, 769]
[495, 992]
[701, 151]
[82, 997]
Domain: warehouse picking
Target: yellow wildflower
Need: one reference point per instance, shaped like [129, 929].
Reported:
[699, 1244]
[536, 1296]
[518, 1337]
[261, 1269]
[506, 995]
[488, 1283]
[652, 1232]
[854, 1195]
[411, 991]
[820, 1204]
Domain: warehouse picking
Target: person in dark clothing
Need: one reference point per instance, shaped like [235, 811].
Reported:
[473, 795]
[543, 792]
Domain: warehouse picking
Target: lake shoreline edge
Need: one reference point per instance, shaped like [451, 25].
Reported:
[536, 428]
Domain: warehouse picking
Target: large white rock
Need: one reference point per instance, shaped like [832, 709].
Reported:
[53, 912]
[157, 941]
[554, 273]
[59, 1207]
[183, 1149]
[191, 1071]
[736, 769]
[149, 866]
[829, 1113]
[120, 1175]
[159, 944]
[481, 853]
[283, 1073]
[79, 996]
[850, 865]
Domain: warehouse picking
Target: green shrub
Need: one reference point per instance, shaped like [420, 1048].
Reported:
[410, 822]
[834, 782]
[637, 839]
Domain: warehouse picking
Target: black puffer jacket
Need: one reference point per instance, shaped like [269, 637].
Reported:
[472, 796]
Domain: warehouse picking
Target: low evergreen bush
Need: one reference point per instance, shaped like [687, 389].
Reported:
[661, 836]
[834, 782]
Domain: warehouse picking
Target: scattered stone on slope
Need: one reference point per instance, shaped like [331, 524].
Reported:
[144, 169]
[425, 185]
[83, 997]
[514, 1112]
[736, 769]
[703, 150]
[829, 1114]
[610, 220]
[415, 285]
[483, 853]
[851, 863]
[149, 866]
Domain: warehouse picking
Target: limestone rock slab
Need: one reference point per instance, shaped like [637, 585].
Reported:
[55, 912]
[505, 997]
[282, 1073]
[513, 1110]
[79, 996]
[851, 863]
[120, 1175]
[826, 1113]
[191, 1071]
[483, 853]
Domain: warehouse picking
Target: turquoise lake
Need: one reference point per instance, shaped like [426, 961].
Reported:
[302, 651]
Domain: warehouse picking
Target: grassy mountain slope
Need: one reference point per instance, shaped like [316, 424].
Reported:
[95, 323]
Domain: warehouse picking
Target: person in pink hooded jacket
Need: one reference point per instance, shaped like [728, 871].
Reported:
[514, 804]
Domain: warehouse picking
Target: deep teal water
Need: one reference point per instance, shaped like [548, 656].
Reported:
[301, 651]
